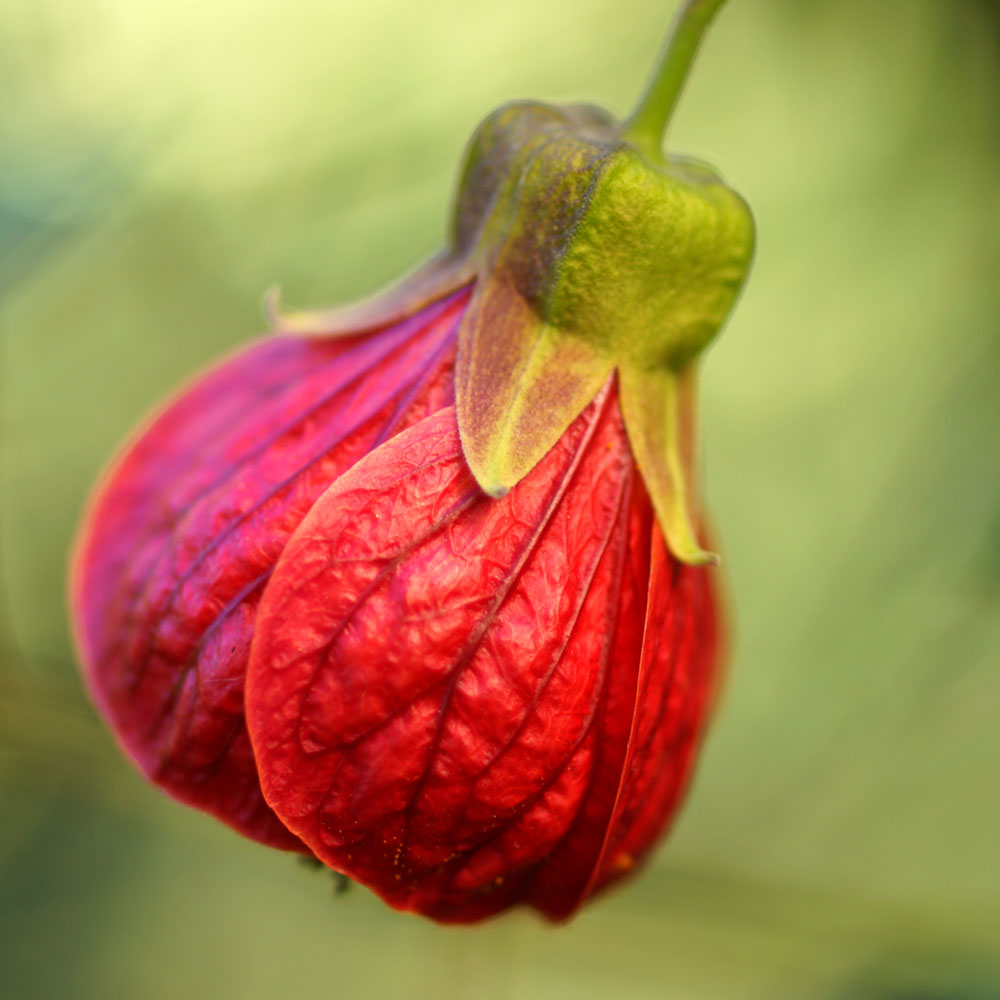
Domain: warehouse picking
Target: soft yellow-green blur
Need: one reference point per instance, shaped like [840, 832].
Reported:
[162, 163]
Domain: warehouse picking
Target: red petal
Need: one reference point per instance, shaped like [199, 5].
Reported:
[443, 688]
[677, 678]
[185, 528]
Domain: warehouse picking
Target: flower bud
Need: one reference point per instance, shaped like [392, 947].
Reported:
[418, 587]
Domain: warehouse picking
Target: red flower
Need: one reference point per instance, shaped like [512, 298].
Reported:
[461, 702]
[397, 593]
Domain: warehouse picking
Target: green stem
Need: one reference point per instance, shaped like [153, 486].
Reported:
[648, 122]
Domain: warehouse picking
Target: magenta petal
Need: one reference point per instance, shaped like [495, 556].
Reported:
[185, 528]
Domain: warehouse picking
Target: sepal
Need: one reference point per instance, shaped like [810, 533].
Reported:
[659, 407]
[434, 280]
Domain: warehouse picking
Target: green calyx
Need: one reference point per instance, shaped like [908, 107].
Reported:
[590, 260]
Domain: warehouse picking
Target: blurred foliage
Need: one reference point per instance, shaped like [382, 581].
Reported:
[162, 164]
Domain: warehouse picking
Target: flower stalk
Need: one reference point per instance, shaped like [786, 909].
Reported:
[647, 125]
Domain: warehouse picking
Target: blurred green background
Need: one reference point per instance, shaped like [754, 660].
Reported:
[163, 163]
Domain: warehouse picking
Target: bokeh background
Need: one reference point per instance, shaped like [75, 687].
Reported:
[163, 163]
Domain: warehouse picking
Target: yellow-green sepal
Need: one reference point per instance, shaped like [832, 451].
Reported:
[519, 384]
[435, 279]
[660, 412]
[521, 378]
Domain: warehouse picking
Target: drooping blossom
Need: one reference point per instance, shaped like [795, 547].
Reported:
[420, 588]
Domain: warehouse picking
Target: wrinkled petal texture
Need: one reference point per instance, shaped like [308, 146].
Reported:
[186, 527]
[466, 703]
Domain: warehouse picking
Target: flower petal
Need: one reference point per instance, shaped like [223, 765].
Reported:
[186, 526]
[442, 687]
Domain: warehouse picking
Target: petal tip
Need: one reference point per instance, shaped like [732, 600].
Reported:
[271, 306]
